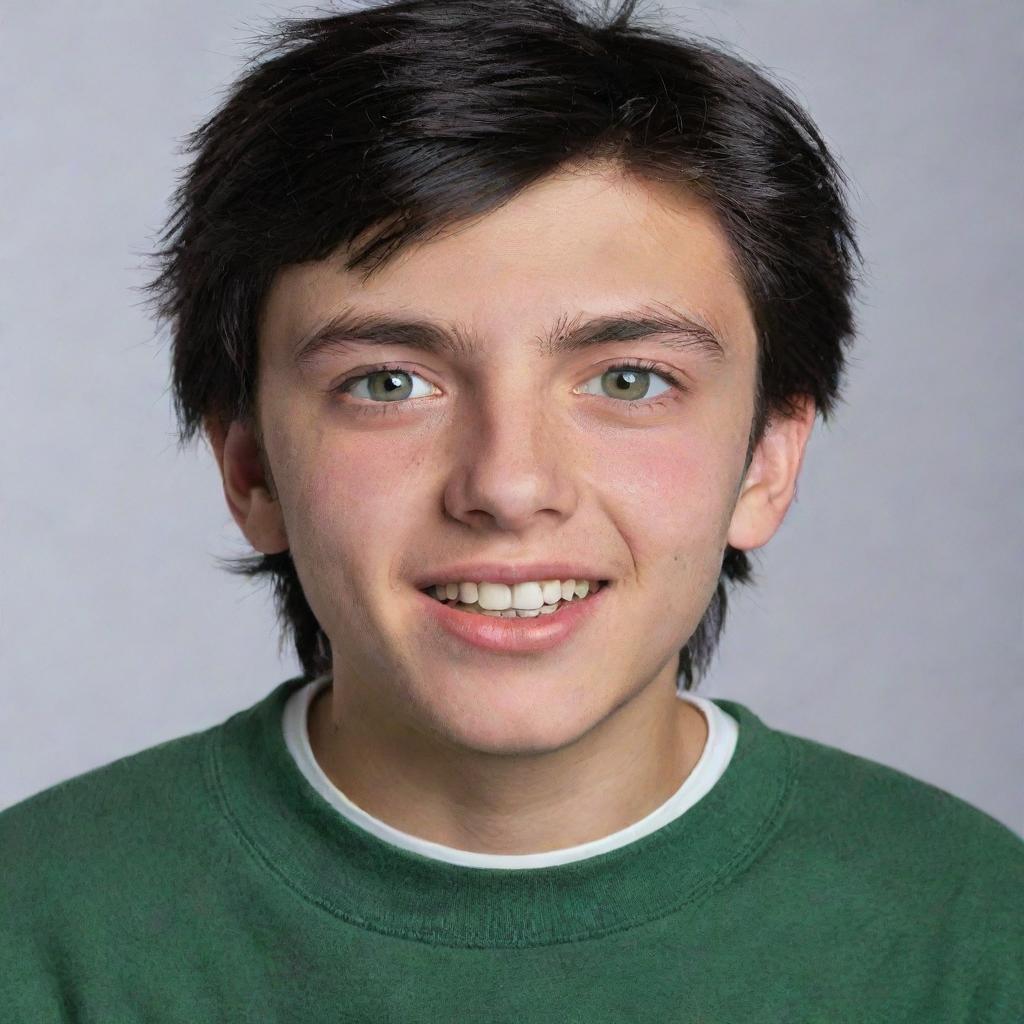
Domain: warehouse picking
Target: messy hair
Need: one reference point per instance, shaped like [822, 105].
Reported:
[387, 124]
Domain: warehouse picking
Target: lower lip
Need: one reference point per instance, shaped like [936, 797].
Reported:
[518, 636]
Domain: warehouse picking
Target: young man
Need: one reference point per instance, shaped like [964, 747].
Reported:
[508, 328]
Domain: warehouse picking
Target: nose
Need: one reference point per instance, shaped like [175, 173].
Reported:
[513, 462]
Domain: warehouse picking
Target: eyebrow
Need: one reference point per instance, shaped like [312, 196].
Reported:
[351, 327]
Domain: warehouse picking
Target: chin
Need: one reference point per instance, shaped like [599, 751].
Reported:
[513, 723]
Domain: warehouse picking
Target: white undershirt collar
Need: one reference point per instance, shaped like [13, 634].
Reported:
[718, 750]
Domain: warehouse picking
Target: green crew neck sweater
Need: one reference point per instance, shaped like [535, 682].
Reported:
[204, 879]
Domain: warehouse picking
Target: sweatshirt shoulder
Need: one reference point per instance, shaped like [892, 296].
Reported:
[146, 800]
[108, 863]
[905, 839]
[890, 859]
[844, 787]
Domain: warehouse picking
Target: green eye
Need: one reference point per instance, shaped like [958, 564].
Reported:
[630, 382]
[627, 383]
[387, 385]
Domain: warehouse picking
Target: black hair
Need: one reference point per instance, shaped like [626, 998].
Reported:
[380, 126]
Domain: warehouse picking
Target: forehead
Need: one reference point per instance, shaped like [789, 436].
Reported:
[581, 242]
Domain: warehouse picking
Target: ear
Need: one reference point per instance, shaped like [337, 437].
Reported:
[248, 484]
[770, 483]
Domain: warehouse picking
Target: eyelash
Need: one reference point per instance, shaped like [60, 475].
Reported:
[635, 406]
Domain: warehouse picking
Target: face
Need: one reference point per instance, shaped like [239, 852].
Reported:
[507, 451]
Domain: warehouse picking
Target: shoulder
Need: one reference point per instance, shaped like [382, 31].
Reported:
[102, 870]
[865, 809]
[92, 799]
[912, 850]
[895, 813]
[89, 835]
[890, 877]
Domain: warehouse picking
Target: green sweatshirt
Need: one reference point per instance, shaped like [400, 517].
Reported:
[204, 879]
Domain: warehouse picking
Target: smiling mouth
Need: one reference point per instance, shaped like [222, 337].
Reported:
[514, 613]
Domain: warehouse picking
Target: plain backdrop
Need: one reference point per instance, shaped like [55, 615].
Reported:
[888, 619]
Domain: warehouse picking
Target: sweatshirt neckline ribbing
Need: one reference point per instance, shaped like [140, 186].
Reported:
[714, 759]
[373, 884]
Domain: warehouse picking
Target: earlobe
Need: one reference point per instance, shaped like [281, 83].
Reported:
[248, 487]
[769, 486]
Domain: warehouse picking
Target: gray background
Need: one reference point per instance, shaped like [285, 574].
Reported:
[889, 618]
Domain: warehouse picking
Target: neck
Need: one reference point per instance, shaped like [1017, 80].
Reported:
[624, 767]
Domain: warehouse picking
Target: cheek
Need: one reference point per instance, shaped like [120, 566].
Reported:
[351, 495]
[343, 506]
[672, 493]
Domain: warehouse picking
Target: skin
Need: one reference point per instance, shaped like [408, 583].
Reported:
[510, 460]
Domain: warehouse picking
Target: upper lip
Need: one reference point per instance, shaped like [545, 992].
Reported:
[503, 572]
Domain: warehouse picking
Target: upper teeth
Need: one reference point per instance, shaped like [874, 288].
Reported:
[525, 596]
